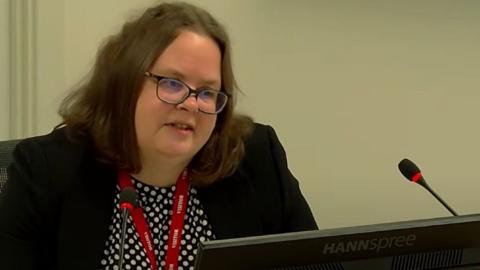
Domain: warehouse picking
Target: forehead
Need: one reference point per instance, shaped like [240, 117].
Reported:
[192, 57]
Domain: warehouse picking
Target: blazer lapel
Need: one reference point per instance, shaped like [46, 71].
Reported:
[231, 207]
[85, 218]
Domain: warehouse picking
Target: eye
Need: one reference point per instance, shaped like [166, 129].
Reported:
[208, 95]
[171, 85]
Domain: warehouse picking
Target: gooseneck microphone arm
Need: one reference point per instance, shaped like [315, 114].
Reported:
[122, 238]
[427, 187]
[128, 201]
[413, 174]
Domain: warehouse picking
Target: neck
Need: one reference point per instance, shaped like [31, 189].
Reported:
[160, 172]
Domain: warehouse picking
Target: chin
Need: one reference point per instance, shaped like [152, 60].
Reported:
[177, 151]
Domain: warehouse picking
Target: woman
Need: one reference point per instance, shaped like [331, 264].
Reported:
[156, 116]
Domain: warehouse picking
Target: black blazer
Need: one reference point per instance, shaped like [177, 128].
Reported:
[58, 201]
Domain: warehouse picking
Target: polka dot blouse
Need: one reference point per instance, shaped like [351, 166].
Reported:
[157, 204]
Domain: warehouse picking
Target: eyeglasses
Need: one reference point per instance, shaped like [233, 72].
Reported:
[173, 91]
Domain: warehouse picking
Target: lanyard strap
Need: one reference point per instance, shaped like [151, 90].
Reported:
[176, 227]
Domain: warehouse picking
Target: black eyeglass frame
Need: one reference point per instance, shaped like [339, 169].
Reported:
[191, 91]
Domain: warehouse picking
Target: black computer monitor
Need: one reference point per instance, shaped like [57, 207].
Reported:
[439, 243]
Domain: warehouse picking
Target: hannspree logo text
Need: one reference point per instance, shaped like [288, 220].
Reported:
[376, 244]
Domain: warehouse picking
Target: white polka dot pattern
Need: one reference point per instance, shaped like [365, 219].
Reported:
[157, 204]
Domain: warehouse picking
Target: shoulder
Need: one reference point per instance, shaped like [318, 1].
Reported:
[260, 137]
[263, 146]
[56, 141]
[52, 158]
[284, 207]
[55, 147]
[264, 165]
[260, 133]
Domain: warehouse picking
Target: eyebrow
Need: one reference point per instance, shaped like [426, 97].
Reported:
[179, 75]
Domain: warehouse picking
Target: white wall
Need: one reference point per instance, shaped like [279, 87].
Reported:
[51, 62]
[4, 72]
[350, 86]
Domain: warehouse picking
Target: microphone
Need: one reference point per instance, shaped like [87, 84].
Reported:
[128, 201]
[413, 174]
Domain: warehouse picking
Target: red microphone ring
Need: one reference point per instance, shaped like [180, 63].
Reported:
[126, 205]
[417, 177]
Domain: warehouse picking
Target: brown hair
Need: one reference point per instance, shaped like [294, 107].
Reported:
[103, 107]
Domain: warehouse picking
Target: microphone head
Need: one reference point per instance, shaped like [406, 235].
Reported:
[128, 196]
[410, 170]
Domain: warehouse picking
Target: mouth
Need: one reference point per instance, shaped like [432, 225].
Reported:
[181, 126]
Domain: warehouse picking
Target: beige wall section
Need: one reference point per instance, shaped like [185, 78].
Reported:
[4, 72]
[351, 87]
[51, 61]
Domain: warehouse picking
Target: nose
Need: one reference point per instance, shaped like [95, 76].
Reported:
[189, 104]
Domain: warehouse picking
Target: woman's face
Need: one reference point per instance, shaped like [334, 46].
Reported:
[178, 131]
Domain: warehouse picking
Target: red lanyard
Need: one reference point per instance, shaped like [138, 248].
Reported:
[175, 233]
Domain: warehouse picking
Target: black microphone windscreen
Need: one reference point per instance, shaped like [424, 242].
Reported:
[408, 168]
[128, 195]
